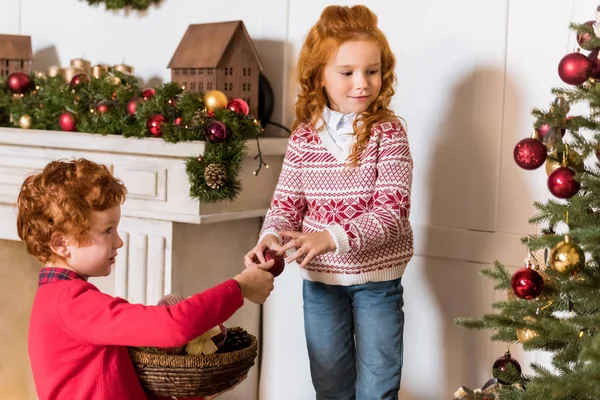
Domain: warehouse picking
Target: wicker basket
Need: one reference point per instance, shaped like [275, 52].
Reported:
[196, 376]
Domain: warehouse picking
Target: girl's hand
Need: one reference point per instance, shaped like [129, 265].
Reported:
[308, 245]
[257, 254]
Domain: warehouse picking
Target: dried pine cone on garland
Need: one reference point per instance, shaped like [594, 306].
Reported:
[215, 176]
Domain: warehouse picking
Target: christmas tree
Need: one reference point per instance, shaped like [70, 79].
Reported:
[553, 302]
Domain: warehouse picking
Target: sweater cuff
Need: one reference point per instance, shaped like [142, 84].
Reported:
[340, 237]
[269, 231]
[234, 286]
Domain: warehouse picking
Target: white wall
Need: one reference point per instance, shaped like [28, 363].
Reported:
[469, 73]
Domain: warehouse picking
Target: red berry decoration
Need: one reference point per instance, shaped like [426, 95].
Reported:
[574, 69]
[279, 264]
[66, 121]
[530, 153]
[79, 80]
[148, 93]
[132, 105]
[238, 106]
[216, 132]
[562, 183]
[103, 108]
[155, 124]
[18, 82]
[527, 283]
[583, 38]
[506, 369]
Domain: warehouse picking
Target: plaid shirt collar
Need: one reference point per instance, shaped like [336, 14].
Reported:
[54, 274]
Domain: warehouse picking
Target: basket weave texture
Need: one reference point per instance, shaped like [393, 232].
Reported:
[196, 375]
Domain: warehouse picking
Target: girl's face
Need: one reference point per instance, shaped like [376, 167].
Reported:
[352, 78]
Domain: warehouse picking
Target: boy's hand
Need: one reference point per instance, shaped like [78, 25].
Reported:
[257, 254]
[256, 283]
[308, 245]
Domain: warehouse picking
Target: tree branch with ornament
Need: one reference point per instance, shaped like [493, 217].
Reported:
[111, 103]
[553, 300]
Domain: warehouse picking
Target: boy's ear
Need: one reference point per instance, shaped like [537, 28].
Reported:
[59, 246]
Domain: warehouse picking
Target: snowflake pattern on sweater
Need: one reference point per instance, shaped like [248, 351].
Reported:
[366, 209]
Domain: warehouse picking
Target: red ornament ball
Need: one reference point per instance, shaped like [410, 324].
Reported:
[593, 57]
[279, 264]
[238, 106]
[583, 38]
[574, 69]
[177, 121]
[562, 183]
[148, 93]
[132, 105]
[530, 153]
[543, 130]
[18, 82]
[527, 284]
[103, 108]
[66, 121]
[216, 132]
[155, 124]
[506, 369]
[78, 80]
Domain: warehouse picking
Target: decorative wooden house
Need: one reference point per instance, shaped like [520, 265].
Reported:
[218, 56]
[15, 54]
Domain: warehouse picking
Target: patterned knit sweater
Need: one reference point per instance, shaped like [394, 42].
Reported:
[365, 208]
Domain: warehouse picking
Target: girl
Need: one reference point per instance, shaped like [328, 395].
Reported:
[342, 204]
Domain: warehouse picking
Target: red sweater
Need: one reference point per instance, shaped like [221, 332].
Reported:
[78, 336]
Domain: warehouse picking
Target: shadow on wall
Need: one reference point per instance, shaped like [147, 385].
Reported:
[460, 357]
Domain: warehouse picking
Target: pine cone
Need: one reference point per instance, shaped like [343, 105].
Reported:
[215, 175]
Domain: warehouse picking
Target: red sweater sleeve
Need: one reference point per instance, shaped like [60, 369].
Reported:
[97, 318]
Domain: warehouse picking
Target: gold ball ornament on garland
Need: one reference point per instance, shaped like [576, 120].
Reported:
[567, 258]
[215, 99]
[25, 122]
[215, 176]
[525, 334]
[113, 80]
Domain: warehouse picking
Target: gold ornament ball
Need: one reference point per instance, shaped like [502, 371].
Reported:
[25, 122]
[525, 334]
[567, 258]
[574, 161]
[215, 99]
[114, 80]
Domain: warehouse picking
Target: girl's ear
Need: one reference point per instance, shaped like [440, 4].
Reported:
[59, 245]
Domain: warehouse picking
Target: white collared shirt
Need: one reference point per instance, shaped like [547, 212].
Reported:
[339, 127]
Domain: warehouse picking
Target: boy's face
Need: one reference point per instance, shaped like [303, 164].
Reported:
[352, 79]
[96, 255]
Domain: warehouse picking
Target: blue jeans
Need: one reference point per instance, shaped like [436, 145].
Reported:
[354, 339]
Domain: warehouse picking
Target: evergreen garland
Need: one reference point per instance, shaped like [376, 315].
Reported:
[49, 97]
[121, 4]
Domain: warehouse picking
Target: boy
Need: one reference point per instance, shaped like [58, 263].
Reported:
[68, 216]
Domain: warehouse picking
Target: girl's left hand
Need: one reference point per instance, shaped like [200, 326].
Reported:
[308, 245]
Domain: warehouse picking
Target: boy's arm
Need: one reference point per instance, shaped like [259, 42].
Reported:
[93, 317]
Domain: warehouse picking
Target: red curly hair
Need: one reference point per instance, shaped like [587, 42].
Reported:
[337, 25]
[61, 199]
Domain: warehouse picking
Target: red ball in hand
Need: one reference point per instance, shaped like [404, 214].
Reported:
[279, 264]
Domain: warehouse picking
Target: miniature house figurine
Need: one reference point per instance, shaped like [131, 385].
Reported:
[218, 56]
[15, 54]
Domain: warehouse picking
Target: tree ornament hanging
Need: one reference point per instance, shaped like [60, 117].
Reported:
[574, 160]
[238, 106]
[526, 334]
[585, 37]
[574, 68]
[148, 93]
[154, 124]
[79, 80]
[66, 121]
[566, 257]
[215, 176]
[506, 369]
[562, 183]
[527, 283]
[530, 153]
